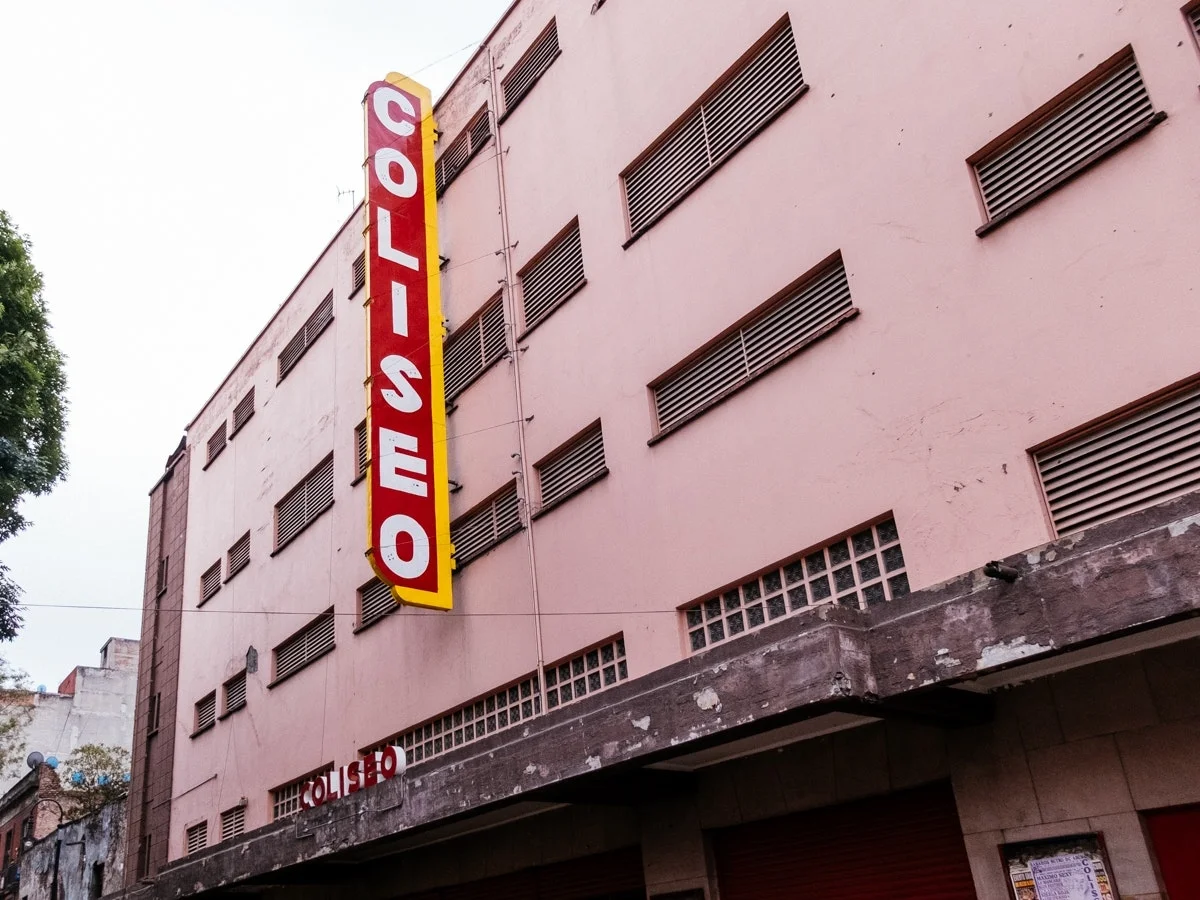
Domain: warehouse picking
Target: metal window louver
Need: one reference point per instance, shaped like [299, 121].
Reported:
[530, 67]
[459, 151]
[301, 649]
[239, 556]
[1135, 461]
[243, 412]
[480, 129]
[304, 503]
[216, 443]
[574, 468]
[210, 582]
[362, 450]
[729, 115]
[206, 712]
[553, 277]
[1073, 136]
[235, 693]
[314, 326]
[474, 347]
[860, 571]
[375, 601]
[197, 838]
[483, 530]
[790, 322]
[358, 273]
[233, 823]
[586, 673]
[495, 712]
[1194, 19]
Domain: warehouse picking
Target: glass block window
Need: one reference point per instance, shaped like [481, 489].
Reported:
[588, 673]
[197, 838]
[860, 571]
[285, 800]
[210, 582]
[233, 823]
[494, 713]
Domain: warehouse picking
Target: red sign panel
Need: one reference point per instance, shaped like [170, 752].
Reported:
[409, 500]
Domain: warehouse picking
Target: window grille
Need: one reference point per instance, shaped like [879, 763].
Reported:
[553, 277]
[573, 468]
[306, 336]
[197, 838]
[243, 412]
[235, 692]
[233, 823]
[160, 586]
[588, 673]
[730, 114]
[859, 571]
[285, 801]
[494, 713]
[216, 443]
[459, 151]
[362, 449]
[304, 503]
[1071, 137]
[239, 556]
[358, 273]
[1129, 463]
[530, 67]
[210, 582]
[152, 713]
[802, 313]
[375, 601]
[478, 532]
[474, 347]
[206, 711]
[298, 651]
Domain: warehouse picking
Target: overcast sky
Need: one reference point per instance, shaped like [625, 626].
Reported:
[177, 167]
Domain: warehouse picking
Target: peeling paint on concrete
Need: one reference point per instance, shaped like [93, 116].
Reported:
[593, 763]
[1008, 651]
[707, 699]
[643, 723]
[1177, 529]
[531, 769]
[943, 658]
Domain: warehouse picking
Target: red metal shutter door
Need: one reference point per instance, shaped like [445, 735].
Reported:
[904, 846]
[1176, 837]
[599, 877]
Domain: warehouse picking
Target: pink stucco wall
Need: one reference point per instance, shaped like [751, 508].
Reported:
[967, 353]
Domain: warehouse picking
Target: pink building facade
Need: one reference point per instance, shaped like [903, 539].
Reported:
[780, 338]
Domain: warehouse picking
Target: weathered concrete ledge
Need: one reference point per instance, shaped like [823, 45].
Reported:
[1130, 575]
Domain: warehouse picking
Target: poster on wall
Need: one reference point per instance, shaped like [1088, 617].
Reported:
[1074, 867]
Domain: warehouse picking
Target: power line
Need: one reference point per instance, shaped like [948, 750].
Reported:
[325, 612]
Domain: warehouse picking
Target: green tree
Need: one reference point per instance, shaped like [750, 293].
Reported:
[32, 405]
[93, 776]
[16, 704]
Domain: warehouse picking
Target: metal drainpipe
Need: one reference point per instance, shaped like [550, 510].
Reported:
[510, 303]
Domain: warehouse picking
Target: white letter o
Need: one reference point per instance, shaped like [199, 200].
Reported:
[392, 528]
[384, 158]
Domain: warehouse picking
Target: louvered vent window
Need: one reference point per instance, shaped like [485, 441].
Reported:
[233, 823]
[152, 713]
[285, 800]
[160, 581]
[474, 347]
[305, 503]
[553, 277]
[588, 673]
[1194, 19]
[1074, 135]
[210, 582]
[239, 556]
[298, 651]
[799, 316]
[375, 601]
[496, 712]
[480, 531]
[458, 153]
[206, 712]
[573, 468]
[859, 571]
[358, 274]
[216, 443]
[530, 67]
[728, 116]
[362, 450]
[1146, 457]
[243, 412]
[235, 693]
[197, 838]
[306, 336]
